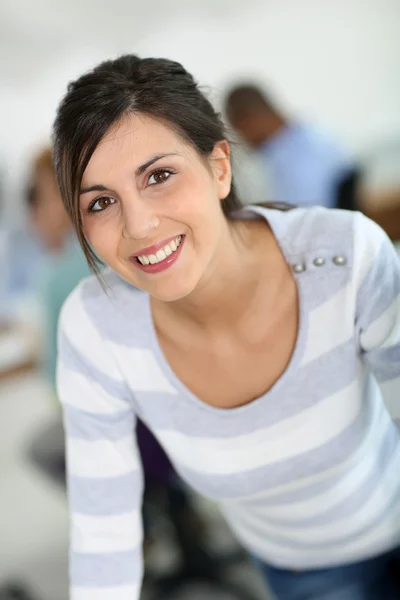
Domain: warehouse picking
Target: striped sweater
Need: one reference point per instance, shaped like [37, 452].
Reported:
[307, 475]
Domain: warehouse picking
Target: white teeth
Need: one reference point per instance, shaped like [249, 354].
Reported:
[162, 254]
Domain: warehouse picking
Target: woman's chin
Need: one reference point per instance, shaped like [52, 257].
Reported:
[167, 290]
[171, 293]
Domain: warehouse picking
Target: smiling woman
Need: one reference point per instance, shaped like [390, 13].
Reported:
[263, 354]
[151, 196]
[191, 120]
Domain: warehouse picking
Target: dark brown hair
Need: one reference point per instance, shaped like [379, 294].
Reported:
[160, 88]
[246, 99]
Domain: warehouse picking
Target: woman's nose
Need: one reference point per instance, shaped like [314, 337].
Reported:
[138, 221]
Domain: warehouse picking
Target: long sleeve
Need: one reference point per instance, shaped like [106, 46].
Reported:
[378, 308]
[103, 463]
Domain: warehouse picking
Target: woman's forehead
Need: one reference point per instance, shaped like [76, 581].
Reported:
[133, 141]
[137, 134]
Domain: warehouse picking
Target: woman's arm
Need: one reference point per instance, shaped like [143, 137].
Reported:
[378, 308]
[103, 464]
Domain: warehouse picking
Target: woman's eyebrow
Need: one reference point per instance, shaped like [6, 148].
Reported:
[93, 188]
[139, 171]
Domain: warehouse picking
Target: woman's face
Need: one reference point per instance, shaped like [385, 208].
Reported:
[151, 206]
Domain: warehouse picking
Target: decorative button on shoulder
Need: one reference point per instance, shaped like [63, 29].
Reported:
[298, 268]
[339, 260]
[319, 262]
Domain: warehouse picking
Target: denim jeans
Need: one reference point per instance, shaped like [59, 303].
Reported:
[373, 579]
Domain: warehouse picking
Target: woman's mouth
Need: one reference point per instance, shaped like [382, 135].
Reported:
[156, 258]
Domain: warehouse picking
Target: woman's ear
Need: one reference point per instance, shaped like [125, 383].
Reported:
[220, 161]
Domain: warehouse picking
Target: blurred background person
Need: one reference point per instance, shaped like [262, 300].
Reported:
[305, 166]
[50, 225]
[29, 246]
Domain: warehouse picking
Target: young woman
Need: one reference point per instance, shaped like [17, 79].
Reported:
[261, 347]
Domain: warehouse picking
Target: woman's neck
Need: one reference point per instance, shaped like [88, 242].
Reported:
[231, 288]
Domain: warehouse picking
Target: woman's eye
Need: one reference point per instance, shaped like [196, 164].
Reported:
[101, 204]
[159, 176]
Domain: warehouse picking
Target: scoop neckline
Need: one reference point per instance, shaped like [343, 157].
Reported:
[295, 358]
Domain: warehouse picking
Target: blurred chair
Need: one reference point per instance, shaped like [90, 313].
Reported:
[14, 591]
[388, 217]
[348, 190]
[384, 209]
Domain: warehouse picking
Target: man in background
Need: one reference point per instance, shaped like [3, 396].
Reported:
[305, 167]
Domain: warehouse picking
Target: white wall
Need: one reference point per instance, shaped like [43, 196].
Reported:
[27, 116]
[336, 61]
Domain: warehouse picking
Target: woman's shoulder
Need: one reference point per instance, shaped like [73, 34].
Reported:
[317, 240]
[321, 235]
[310, 227]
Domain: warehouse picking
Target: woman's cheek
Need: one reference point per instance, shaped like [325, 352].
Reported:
[99, 236]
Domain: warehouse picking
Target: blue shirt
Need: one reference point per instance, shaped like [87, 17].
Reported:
[22, 258]
[305, 166]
